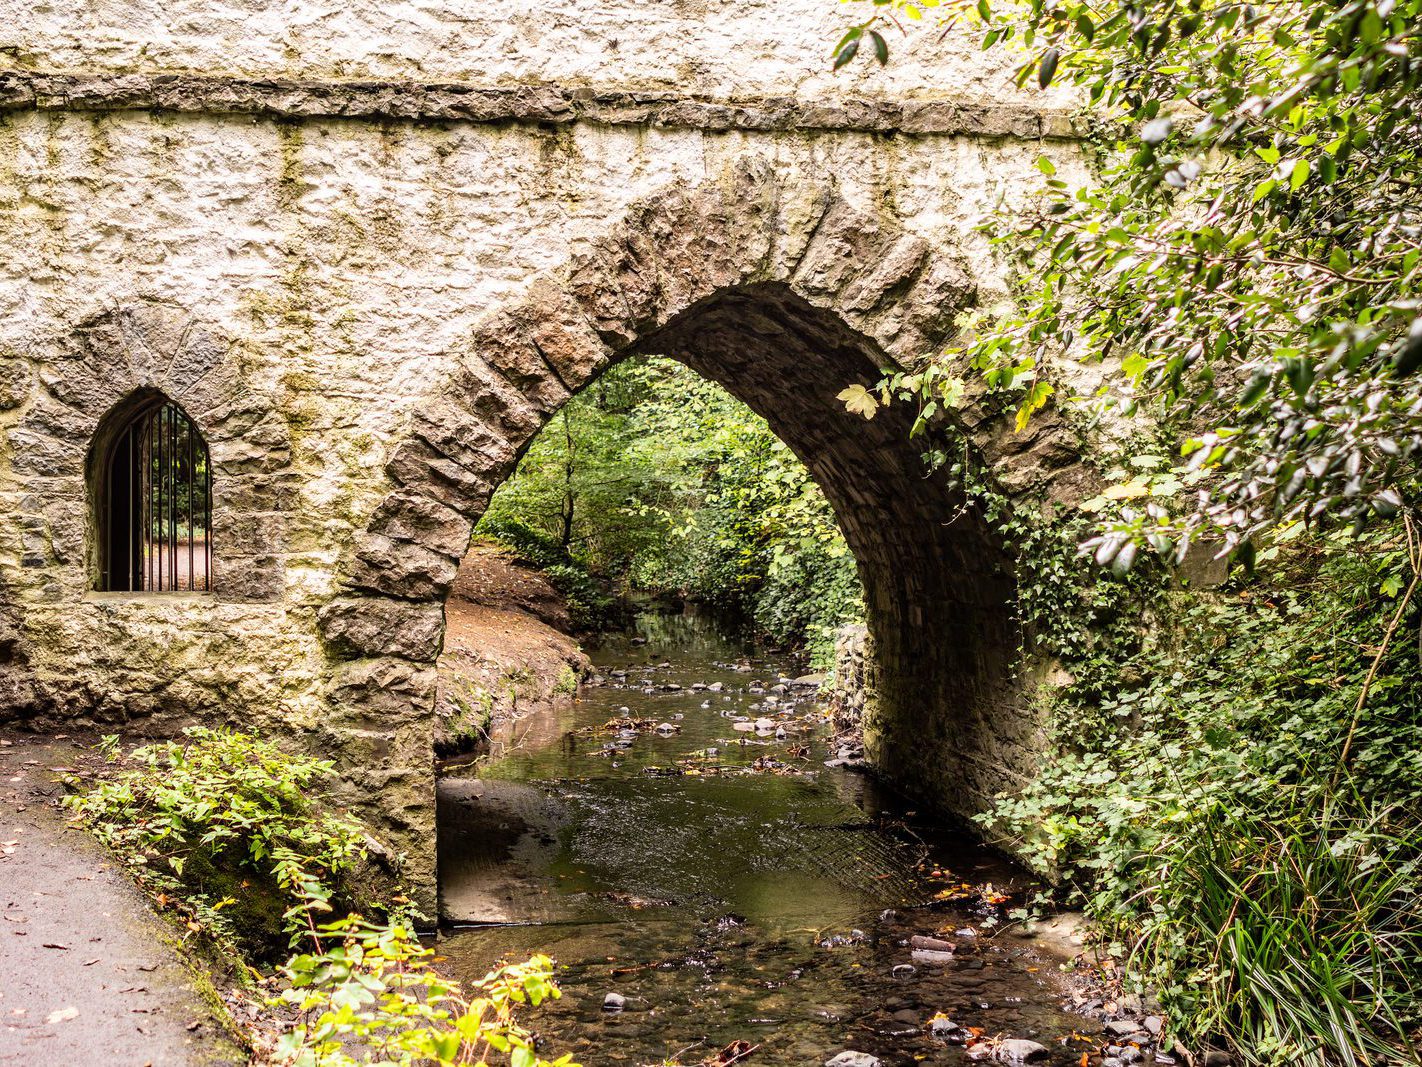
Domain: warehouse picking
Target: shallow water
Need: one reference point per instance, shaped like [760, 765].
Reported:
[727, 883]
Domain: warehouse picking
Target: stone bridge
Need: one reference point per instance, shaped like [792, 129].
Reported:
[370, 249]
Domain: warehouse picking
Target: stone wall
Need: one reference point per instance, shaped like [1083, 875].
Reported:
[369, 295]
[851, 679]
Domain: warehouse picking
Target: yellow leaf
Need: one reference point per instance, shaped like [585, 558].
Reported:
[859, 401]
[1125, 492]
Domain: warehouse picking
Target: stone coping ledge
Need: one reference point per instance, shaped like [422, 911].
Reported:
[534, 103]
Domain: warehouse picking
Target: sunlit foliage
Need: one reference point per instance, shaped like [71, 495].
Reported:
[656, 481]
[1244, 258]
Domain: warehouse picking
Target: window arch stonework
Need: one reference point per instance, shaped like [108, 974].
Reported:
[153, 503]
[84, 386]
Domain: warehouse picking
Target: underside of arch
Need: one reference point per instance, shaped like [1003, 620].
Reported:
[938, 584]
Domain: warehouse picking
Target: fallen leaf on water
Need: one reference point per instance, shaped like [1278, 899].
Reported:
[61, 1016]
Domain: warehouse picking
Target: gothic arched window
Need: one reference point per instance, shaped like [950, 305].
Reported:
[154, 504]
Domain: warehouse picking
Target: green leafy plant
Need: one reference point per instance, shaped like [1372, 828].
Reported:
[1236, 799]
[221, 820]
[1242, 258]
[223, 824]
[373, 996]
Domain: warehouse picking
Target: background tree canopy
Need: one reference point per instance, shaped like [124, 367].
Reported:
[654, 482]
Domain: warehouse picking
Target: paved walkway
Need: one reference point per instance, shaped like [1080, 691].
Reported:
[87, 974]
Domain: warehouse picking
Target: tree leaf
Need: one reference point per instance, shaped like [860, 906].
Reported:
[1048, 69]
[858, 401]
[847, 53]
[881, 47]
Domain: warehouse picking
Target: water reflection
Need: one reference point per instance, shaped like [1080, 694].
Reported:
[721, 900]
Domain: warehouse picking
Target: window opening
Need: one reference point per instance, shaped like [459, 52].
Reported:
[156, 506]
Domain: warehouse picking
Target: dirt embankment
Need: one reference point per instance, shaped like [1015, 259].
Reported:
[507, 649]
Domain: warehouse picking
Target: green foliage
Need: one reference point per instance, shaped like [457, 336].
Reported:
[1238, 790]
[373, 996]
[225, 824]
[1245, 258]
[1233, 804]
[654, 481]
[227, 812]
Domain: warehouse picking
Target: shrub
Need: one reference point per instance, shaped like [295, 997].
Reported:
[225, 823]
[375, 992]
[1240, 802]
[225, 827]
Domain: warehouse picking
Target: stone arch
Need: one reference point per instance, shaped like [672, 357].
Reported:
[784, 296]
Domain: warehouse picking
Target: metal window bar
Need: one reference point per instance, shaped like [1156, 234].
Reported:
[156, 524]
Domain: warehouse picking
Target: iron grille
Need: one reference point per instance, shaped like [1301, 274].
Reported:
[156, 523]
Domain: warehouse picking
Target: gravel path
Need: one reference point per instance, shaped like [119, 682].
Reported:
[88, 974]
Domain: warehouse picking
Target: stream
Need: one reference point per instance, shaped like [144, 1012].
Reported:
[724, 884]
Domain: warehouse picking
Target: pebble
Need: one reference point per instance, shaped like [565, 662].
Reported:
[1013, 1050]
[933, 956]
[614, 1002]
[904, 970]
[851, 1058]
[1123, 1027]
[934, 944]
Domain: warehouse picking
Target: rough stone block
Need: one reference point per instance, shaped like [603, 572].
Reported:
[378, 627]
